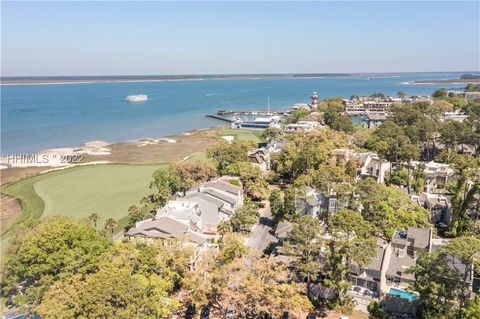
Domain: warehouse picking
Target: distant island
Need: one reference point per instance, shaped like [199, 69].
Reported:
[5, 80]
[464, 79]
[18, 80]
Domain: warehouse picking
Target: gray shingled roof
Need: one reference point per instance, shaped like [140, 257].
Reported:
[166, 227]
[209, 207]
[420, 236]
[220, 195]
[282, 229]
[223, 186]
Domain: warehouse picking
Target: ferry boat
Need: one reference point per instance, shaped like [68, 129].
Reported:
[136, 98]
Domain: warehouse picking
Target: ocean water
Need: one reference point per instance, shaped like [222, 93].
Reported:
[36, 117]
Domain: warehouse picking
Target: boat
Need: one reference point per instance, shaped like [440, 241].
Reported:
[136, 98]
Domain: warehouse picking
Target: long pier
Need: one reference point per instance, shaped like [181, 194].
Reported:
[249, 112]
[219, 118]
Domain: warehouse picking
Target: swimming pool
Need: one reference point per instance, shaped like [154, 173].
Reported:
[402, 294]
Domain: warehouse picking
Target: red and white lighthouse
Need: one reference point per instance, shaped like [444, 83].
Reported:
[314, 98]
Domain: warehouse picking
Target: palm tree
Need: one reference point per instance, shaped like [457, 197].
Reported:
[111, 224]
[94, 217]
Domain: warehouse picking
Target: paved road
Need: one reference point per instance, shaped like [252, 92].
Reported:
[260, 237]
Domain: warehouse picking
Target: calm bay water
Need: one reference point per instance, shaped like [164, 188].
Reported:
[35, 117]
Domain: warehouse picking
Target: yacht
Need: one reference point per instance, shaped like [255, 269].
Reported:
[137, 98]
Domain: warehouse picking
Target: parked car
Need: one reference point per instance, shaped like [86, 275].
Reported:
[190, 311]
[285, 315]
[312, 315]
[230, 313]
[367, 292]
[205, 312]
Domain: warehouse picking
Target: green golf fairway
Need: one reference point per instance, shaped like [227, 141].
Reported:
[107, 190]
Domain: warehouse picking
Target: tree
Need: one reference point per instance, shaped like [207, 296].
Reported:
[378, 95]
[305, 242]
[390, 142]
[471, 309]
[135, 214]
[191, 173]
[440, 93]
[465, 189]
[94, 217]
[334, 118]
[111, 224]
[232, 247]
[224, 227]
[438, 285]
[332, 178]
[251, 177]
[51, 250]
[375, 311]
[276, 205]
[223, 154]
[351, 241]
[467, 251]
[303, 153]
[245, 217]
[255, 286]
[401, 94]
[472, 87]
[271, 133]
[132, 282]
[388, 208]
[289, 207]
[166, 182]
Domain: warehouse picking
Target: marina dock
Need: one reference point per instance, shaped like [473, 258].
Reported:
[250, 112]
[221, 118]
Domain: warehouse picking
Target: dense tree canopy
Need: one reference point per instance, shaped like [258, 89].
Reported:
[48, 252]
[388, 208]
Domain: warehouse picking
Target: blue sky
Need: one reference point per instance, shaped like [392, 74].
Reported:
[100, 38]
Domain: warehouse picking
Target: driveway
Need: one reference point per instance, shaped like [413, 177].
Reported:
[259, 238]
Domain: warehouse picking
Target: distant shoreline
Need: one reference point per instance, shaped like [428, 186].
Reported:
[445, 81]
[52, 80]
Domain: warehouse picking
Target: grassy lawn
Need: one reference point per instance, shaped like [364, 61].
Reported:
[77, 192]
[243, 134]
[199, 157]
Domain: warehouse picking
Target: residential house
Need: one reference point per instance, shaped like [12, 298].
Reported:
[472, 95]
[261, 158]
[375, 119]
[168, 227]
[193, 219]
[399, 307]
[302, 126]
[473, 281]
[373, 276]
[437, 176]
[371, 165]
[454, 116]
[438, 205]
[281, 231]
[406, 246]
[315, 204]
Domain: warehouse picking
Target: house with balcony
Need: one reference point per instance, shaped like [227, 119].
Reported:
[437, 176]
[370, 164]
[316, 204]
[372, 276]
[438, 205]
[406, 247]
